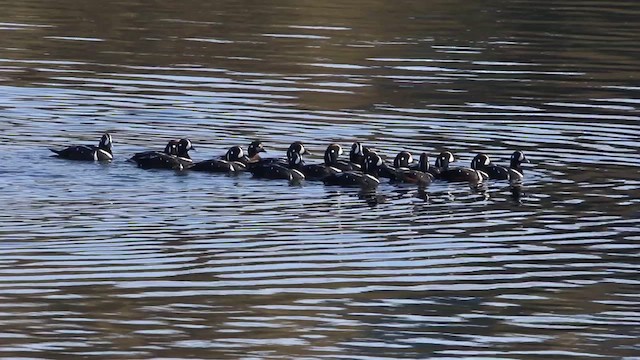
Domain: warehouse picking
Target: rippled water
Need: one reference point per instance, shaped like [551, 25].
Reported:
[110, 261]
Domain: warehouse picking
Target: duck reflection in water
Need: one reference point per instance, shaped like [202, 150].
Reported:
[371, 197]
[516, 192]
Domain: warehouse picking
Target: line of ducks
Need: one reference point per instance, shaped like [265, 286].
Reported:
[364, 167]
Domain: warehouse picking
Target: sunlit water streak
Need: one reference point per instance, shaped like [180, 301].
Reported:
[110, 261]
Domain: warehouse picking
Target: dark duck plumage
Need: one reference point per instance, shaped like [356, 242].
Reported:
[357, 154]
[483, 163]
[184, 146]
[513, 173]
[516, 175]
[252, 155]
[230, 163]
[102, 152]
[368, 178]
[332, 158]
[424, 159]
[167, 159]
[316, 171]
[279, 169]
[296, 146]
[276, 171]
[457, 174]
[237, 157]
[421, 177]
[402, 160]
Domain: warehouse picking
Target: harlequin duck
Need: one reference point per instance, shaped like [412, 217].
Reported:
[316, 171]
[424, 159]
[184, 146]
[421, 177]
[357, 154]
[276, 171]
[515, 168]
[331, 158]
[159, 160]
[235, 155]
[402, 160]
[457, 174]
[229, 164]
[102, 152]
[368, 178]
[170, 149]
[514, 173]
[253, 153]
[296, 147]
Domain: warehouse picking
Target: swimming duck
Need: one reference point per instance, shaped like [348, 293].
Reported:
[167, 159]
[421, 177]
[102, 152]
[457, 174]
[368, 178]
[316, 171]
[513, 173]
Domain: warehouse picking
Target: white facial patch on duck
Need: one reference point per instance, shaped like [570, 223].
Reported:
[379, 162]
[410, 159]
[106, 140]
[450, 157]
[297, 159]
[302, 149]
[487, 161]
[356, 148]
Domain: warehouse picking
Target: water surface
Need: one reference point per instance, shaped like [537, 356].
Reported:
[110, 261]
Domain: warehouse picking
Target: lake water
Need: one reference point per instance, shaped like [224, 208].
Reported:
[110, 261]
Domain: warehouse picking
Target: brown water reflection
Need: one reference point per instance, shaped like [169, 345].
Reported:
[109, 261]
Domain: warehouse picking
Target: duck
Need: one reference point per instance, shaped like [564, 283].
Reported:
[516, 175]
[170, 149]
[357, 154]
[316, 171]
[421, 177]
[331, 158]
[235, 155]
[402, 160]
[253, 153]
[167, 159]
[230, 163]
[367, 178]
[457, 174]
[424, 159]
[276, 171]
[184, 146]
[102, 152]
[296, 146]
[238, 155]
[513, 173]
